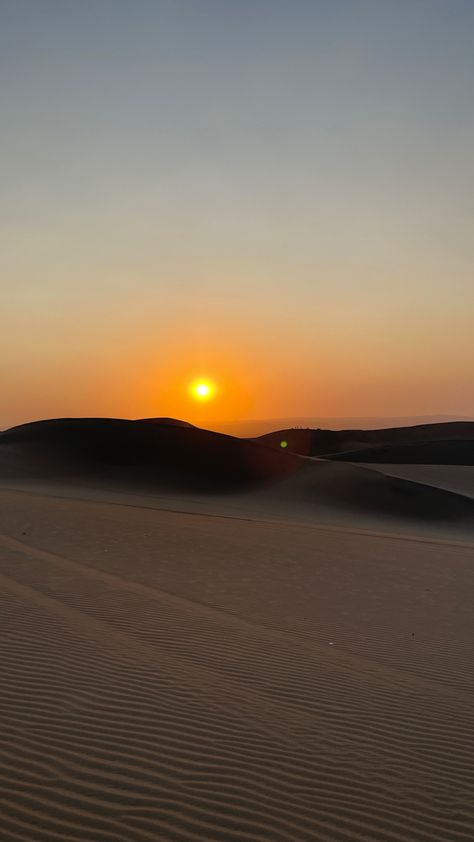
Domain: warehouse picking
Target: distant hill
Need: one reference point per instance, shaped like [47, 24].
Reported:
[343, 444]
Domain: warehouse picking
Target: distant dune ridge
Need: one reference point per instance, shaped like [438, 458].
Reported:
[328, 443]
[259, 427]
[167, 454]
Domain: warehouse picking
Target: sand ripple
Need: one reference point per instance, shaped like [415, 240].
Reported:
[130, 711]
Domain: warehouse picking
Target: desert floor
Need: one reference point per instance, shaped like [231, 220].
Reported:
[190, 675]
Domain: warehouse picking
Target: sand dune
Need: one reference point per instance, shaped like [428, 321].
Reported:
[128, 457]
[167, 422]
[421, 453]
[360, 490]
[174, 454]
[261, 427]
[311, 442]
[456, 478]
[178, 677]
[187, 653]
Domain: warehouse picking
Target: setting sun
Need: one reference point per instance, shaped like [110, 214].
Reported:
[202, 390]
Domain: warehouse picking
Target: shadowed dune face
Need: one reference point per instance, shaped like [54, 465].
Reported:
[423, 453]
[358, 491]
[456, 478]
[155, 450]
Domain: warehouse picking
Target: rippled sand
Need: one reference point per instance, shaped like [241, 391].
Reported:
[178, 676]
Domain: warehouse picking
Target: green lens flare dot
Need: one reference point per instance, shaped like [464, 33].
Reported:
[283, 443]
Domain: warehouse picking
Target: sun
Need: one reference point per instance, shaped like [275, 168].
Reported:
[202, 390]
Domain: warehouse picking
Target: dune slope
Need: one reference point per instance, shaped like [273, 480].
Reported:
[456, 478]
[422, 453]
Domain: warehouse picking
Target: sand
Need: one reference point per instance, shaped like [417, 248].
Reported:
[456, 478]
[207, 639]
[221, 675]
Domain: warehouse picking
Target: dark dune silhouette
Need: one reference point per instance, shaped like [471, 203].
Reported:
[260, 427]
[171, 453]
[167, 422]
[309, 442]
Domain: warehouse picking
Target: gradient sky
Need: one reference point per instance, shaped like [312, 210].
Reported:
[277, 195]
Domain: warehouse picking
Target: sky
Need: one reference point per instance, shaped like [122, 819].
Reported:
[276, 196]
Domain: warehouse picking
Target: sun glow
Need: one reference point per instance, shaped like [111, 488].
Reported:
[202, 390]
